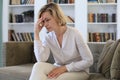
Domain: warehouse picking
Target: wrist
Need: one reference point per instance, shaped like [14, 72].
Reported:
[65, 69]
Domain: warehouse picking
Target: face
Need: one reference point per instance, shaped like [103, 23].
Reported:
[49, 21]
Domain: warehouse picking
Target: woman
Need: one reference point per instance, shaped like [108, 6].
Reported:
[71, 54]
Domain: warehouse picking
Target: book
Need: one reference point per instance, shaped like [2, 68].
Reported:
[100, 1]
[17, 37]
[63, 1]
[20, 37]
[91, 17]
[113, 17]
[13, 2]
[31, 1]
[10, 37]
[30, 37]
[71, 1]
[111, 1]
[92, 1]
[14, 37]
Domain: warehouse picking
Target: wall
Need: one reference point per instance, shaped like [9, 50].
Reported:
[1, 31]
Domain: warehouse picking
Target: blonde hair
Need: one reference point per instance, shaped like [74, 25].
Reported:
[55, 11]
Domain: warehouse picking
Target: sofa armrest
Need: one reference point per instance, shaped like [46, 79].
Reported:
[16, 53]
[96, 49]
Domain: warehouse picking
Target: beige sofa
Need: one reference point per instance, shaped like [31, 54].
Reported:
[18, 59]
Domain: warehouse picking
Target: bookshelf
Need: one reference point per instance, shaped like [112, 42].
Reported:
[18, 16]
[76, 10]
[103, 20]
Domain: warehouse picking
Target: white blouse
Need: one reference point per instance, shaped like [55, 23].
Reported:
[74, 53]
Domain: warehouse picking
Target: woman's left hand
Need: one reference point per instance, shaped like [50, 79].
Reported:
[57, 71]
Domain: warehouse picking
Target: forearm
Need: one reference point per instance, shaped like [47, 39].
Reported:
[79, 66]
[41, 52]
[36, 36]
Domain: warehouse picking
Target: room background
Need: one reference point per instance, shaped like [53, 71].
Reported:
[0, 31]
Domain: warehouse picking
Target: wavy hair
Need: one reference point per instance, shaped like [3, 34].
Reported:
[55, 11]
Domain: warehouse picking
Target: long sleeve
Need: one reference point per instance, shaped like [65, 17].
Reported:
[41, 51]
[85, 53]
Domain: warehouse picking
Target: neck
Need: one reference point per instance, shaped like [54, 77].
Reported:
[60, 31]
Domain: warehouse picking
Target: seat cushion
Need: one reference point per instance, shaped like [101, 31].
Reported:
[106, 56]
[19, 72]
[97, 76]
[115, 66]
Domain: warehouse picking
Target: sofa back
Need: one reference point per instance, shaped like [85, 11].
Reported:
[16, 53]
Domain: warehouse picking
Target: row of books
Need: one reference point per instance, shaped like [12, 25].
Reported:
[20, 2]
[20, 36]
[101, 37]
[61, 1]
[27, 16]
[101, 17]
[102, 1]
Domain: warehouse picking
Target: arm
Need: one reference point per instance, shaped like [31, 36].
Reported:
[85, 53]
[41, 50]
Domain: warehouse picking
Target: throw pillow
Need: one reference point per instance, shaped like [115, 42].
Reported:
[115, 65]
[106, 56]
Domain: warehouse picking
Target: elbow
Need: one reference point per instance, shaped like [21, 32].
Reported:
[90, 61]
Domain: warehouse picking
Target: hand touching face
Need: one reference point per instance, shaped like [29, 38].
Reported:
[39, 25]
[49, 22]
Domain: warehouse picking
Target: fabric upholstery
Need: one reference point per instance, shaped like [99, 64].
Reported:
[96, 49]
[115, 66]
[97, 76]
[18, 72]
[106, 57]
[17, 53]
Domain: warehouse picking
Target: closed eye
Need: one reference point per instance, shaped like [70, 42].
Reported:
[47, 20]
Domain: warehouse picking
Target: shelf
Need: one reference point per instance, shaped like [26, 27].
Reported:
[102, 4]
[97, 42]
[62, 5]
[105, 23]
[15, 24]
[25, 5]
[100, 27]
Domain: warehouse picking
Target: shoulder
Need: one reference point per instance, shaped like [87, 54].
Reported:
[74, 30]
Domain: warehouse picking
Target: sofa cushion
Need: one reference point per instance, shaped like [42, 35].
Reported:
[115, 65]
[18, 72]
[15, 53]
[106, 56]
[96, 50]
[96, 76]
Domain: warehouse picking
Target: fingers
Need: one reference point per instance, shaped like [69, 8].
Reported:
[39, 25]
[40, 22]
[57, 72]
[54, 74]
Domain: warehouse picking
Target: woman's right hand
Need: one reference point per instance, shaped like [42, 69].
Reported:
[39, 25]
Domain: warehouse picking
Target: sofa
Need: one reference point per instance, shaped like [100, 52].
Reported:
[18, 60]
